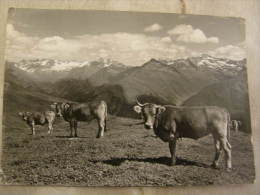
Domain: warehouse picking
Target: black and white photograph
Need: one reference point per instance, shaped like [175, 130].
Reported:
[123, 98]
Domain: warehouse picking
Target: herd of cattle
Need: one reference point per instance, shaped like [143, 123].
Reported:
[168, 122]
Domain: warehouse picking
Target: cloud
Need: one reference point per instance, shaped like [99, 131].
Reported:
[128, 48]
[187, 34]
[166, 39]
[153, 28]
[229, 51]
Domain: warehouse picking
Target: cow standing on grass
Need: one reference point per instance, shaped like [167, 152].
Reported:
[73, 113]
[236, 125]
[172, 122]
[39, 118]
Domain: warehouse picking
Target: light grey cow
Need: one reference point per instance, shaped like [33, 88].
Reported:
[172, 122]
[74, 112]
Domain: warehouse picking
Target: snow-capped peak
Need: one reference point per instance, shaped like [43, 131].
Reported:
[49, 65]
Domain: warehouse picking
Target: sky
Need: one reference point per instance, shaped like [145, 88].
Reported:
[128, 37]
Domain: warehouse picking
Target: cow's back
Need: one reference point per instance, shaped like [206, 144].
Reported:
[87, 111]
[38, 118]
[197, 122]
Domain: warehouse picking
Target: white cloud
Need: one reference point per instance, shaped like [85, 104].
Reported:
[128, 48]
[153, 28]
[229, 51]
[187, 34]
[166, 39]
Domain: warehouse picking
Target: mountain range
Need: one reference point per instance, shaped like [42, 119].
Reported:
[190, 81]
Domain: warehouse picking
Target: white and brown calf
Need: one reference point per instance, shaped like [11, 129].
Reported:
[39, 118]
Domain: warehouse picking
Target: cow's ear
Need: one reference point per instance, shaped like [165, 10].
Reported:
[20, 113]
[66, 106]
[160, 109]
[137, 109]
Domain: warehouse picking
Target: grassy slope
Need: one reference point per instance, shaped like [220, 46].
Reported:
[126, 156]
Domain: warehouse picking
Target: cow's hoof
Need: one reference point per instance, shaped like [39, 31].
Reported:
[215, 166]
[173, 163]
[99, 136]
[228, 170]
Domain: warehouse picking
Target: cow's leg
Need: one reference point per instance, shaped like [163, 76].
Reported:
[52, 127]
[217, 154]
[33, 128]
[49, 127]
[227, 149]
[106, 128]
[101, 128]
[71, 128]
[75, 128]
[236, 127]
[172, 146]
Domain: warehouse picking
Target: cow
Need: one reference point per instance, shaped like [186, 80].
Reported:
[170, 123]
[74, 112]
[235, 125]
[39, 118]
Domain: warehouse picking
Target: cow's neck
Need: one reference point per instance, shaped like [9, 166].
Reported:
[156, 122]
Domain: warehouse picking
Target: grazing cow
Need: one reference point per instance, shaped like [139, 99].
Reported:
[73, 113]
[235, 125]
[172, 122]
[39, 118]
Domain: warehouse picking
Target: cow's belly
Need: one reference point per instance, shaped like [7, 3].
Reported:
[163, 134]
[84, 117]
[40, 122]
[193, 133]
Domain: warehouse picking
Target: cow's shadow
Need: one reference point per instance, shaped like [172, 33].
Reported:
[159, 160]
[69, 137]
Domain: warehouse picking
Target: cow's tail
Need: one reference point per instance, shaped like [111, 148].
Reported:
[228, 130]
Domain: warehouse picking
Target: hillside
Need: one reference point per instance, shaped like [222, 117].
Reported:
[231, 94]
[160, 81]
[128, 155]
[178, 80]
[22, 94]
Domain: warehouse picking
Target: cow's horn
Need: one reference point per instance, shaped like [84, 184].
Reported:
[139, 104]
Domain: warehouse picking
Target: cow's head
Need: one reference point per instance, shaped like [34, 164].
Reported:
[60, 108]
[149, 113]
[56, 106]
[24, 115]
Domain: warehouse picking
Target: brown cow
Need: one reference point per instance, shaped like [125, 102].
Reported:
[173, 122]
[73, 112]
[39, 118]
